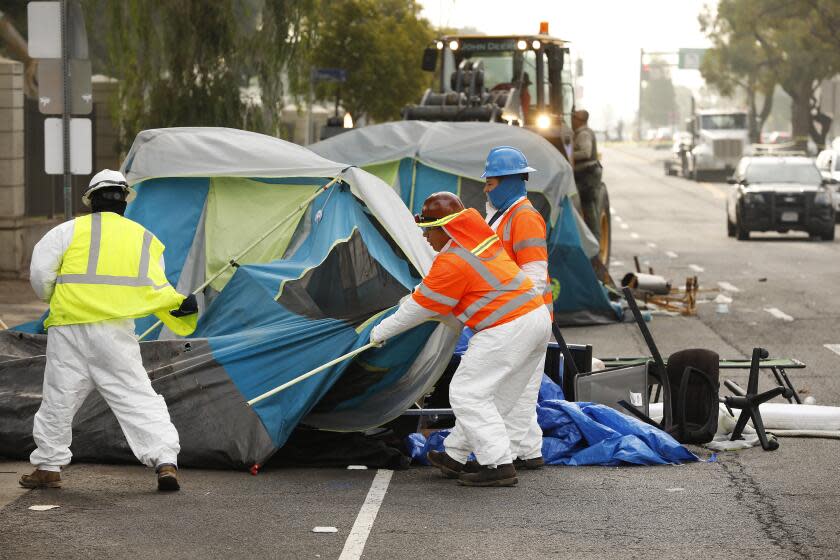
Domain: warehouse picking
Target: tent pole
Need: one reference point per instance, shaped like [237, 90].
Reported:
[309, 374]
[235, 260]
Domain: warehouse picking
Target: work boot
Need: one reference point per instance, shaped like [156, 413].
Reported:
[529, 464]
[471, 467]
[41, 479]
[502, 475]
[167, 477]
[447, 465]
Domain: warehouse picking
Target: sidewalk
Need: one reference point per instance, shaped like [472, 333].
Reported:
[18, 303]
[10, 472]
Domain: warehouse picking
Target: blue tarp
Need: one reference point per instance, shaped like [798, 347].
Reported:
[583, 434]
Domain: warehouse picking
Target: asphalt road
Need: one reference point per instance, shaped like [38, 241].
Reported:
[748, 504]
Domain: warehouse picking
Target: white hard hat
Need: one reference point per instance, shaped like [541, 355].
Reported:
[108, 178]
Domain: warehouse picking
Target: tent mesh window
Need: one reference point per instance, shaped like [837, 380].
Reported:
[349, 285]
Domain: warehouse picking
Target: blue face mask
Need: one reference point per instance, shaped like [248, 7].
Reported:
[510, 189]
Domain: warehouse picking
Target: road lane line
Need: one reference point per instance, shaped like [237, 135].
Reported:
[671, 255]
[727, 287]
[355, 543]
[834, 348]
[778, 313]
[713, 189]
[696, 268]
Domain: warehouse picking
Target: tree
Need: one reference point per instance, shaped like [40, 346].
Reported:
[658, 104]
[796, 46]
[737, 61]
[379, 43]
[187, 63]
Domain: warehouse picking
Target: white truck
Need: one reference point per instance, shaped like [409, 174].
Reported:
[715, 142]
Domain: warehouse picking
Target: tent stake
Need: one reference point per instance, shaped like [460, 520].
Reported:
[234, 262]
[309, 374]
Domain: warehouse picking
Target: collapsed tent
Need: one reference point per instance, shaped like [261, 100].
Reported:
[309, 292]
[577, 434]
[419, 158]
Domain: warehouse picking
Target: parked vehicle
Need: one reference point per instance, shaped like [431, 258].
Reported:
[780, 194]
[828, 162]
[715, 141]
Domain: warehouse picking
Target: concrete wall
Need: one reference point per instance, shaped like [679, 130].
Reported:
[12, 200]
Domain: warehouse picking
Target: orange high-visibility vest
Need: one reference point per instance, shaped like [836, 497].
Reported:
[474, 278]
[522, 232]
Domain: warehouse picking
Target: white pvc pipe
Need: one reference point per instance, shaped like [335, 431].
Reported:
[784, 417]
[309, 374]
[807, 433]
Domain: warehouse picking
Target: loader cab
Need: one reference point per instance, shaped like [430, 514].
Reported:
[522, 80]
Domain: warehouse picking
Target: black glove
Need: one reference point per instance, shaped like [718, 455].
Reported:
[188, 307]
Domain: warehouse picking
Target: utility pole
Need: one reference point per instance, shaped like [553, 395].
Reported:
[65, 113]
[639, 119]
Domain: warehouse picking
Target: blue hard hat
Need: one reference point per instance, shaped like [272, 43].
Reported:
[505, 160]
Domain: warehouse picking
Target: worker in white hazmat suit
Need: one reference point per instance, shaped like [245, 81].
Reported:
[475, 280]
[98, 272]
[522, 231]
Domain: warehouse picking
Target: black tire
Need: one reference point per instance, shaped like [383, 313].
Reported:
[742, 233]
[827, 235]
[595, 209]
[603, 230]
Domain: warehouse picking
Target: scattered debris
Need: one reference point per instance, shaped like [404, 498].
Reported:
[43, 507]
[324, 530]
[723, 298]
[726, 286]
[356, 468]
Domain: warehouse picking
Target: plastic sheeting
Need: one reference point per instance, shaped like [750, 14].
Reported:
[579, 434]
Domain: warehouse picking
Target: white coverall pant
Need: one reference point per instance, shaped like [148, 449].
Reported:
[104, 356]
[494, 392]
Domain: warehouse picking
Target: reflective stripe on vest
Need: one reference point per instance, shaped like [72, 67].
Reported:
[499, 290]
[538, 242]
[111, 270]
[509, 223]
[436, 296]
[91, 277]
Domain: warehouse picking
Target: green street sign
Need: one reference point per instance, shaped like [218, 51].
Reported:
[690, 59]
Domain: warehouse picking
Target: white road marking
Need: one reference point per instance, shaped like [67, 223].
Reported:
[834, 348]
[618, 219]
[634, 235]
[726, 286]
[696, 268]
[623, 226]
[652, 245]
[671, 254]
[712, 188]
[355, 543]
[778, 313]
[612, 209]
[616, 263]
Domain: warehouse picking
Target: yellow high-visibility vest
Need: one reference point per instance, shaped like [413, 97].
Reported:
[112, 271]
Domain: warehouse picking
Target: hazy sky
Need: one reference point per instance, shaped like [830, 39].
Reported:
[607, 34]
